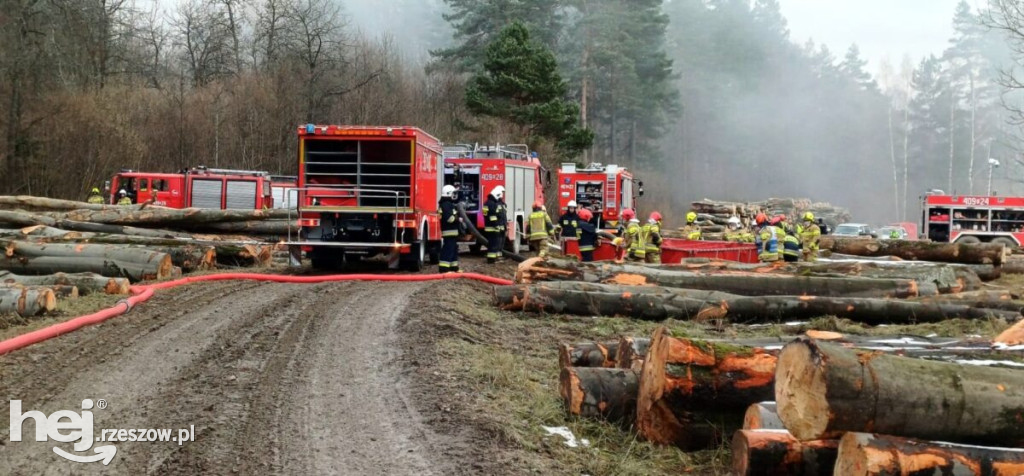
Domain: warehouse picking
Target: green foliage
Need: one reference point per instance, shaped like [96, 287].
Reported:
[520, 83]
[477, 23]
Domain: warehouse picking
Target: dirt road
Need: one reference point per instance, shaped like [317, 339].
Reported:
[275, 378]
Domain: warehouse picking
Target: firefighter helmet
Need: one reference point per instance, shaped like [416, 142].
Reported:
[691, 217]
[538, 205]
[498, 192]
[96, 190]
[448, 191]
[776, 220]
[585, 214]
[572, 204]
[123, 192]
[734, 222]
[628, 214]
[655, 216]
[760, 218]
[808, 216]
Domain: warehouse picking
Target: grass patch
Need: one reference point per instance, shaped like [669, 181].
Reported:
[12, 325]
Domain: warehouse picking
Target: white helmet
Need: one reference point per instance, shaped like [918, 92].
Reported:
[498, 191]
[734, 222]
[634, 220]
[122, 192]
[448, 191]
[572, 204]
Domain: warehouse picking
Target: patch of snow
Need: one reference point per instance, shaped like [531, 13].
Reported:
[961, 445]
[570, 439]
[1002, 346]
[932, 335]
[773, 347]
[901, 340]
[795, 323]
[1008, 363]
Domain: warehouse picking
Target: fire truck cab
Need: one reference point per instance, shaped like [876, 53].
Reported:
[972, 219]
[605, 190]
[198, 187]
[365, 191]
[475, 170]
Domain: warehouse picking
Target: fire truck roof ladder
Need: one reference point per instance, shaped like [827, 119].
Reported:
[254, 173]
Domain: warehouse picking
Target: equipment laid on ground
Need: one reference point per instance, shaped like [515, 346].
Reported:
[475, 170]
[366, 191]
[198, 187]
[973, 219]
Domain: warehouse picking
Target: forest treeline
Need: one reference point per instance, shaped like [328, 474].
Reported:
[702, 98]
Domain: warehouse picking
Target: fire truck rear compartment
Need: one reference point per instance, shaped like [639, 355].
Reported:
[380, 169]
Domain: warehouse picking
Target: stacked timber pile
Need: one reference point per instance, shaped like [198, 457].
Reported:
[820, 404]
[712, 215]
[59, 245]
[870, 293]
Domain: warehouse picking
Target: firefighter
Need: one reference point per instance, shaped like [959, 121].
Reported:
[736, 233]
[652, 234]
[766, 239]
[790, 243]
[124, 199]
[496, 221]
[451, 230]
[587, 235]
[94, 196]
[809, 235]
[894, 234]
[691, 231]
[539, 227]
[568, 222]
[632, 238]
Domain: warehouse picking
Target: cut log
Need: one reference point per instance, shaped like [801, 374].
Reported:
[980, 299]
[600, 392]
[107, 260]
[86, 283]
[631, 352]
[778, 453]
[665, 303]
[245, 255]
[587, 354]
[682, 379]
[762, 416]
[867, 311]
[191, 257]
[185, 217]
[864, 454]
[1011, 337]
[59, 290]
[823, 390]
[259, 227]
[746, 284]
[44, 203]
[27, 302]
[975, 253]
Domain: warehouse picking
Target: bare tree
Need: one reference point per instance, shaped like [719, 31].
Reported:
[201, 32]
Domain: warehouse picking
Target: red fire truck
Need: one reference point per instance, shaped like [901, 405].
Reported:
[199, 187]
[475, 170]
[604, 189]
[365, 191]
[973, 219]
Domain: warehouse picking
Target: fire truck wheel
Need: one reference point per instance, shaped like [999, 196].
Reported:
[970, 240]
[413, 261]
[1005, 241]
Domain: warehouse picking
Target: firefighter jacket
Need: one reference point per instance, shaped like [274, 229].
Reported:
[450, 224]
[633, 240]
[691, 231]
[540, 225]
[124, 201]
[809, 236]
[790, 244]
[739, 235]
[588, 236]
[495, 215]
[95, 199]
[569, 223]
[767, 242]
[652, 237]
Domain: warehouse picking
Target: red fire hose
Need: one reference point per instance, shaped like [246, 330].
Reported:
[141, 294]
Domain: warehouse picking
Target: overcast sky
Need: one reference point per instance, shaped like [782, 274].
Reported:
[879, 27]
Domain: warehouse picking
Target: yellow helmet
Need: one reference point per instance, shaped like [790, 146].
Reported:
[808, 216]
[691, 217]
[96, 190]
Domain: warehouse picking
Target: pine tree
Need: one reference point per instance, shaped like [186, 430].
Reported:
[852, 67]
[521, 84]
[477, 23]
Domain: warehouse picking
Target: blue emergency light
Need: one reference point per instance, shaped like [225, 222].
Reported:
[310, 129]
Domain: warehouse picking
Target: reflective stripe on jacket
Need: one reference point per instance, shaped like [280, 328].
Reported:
[449, 217]
[540, 225]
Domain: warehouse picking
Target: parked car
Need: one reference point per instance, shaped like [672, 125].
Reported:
[885, 232]
[856, 230]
